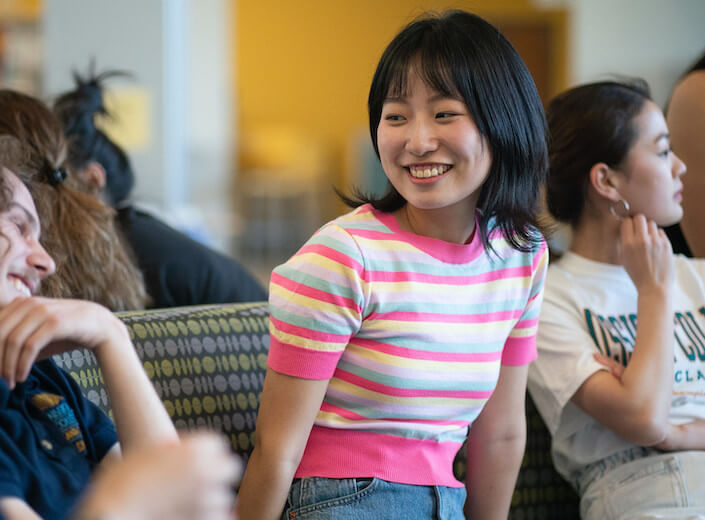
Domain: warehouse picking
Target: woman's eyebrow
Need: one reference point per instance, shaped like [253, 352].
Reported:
[663, 135]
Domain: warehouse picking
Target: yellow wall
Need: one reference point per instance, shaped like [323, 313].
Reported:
[307, 65]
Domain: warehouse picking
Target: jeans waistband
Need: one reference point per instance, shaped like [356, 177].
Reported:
[582, 479]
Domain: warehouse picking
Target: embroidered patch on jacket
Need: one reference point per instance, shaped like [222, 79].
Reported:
[60, 413]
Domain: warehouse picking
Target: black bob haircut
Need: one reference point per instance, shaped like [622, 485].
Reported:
[460, 54]
[589, 124]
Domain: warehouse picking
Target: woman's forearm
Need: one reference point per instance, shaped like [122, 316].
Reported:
[264, 489]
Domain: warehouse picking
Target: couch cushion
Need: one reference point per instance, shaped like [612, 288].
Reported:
[207, 365]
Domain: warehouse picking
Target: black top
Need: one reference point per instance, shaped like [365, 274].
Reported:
[180, 271]
[675, 235]
[51, 440]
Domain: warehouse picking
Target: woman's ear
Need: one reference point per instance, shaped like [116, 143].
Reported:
[93, 174]
[605, 181]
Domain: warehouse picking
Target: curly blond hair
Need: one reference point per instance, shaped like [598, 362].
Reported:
[93, 260]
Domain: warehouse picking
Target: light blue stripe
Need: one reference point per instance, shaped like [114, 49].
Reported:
[314, 282]
[418, 384]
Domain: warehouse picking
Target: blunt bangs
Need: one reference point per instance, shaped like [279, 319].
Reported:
[460, 55]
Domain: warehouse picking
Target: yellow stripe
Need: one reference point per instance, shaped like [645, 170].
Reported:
[523, 333]
[385, 245]
[421, 364]
[307, 343]
[348, 388]
[311, 303]
[447, 328]
[454, 290]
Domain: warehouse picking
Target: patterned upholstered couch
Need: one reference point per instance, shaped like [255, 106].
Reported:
[208, 364]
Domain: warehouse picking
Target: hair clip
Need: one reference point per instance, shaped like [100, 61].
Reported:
[56, 176]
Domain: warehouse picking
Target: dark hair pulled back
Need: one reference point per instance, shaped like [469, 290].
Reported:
[589, 124]
[77, 110]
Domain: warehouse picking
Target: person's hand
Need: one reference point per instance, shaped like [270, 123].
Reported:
[615, 368]
[187, 481]
[36, 328]
[646, 254]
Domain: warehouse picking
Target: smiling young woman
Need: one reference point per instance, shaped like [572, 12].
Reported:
[398, 325]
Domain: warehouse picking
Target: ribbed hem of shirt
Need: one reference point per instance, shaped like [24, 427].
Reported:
[335, 453]
[301, 362]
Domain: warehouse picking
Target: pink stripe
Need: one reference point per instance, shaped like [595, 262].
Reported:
[393, 350]
[347, 414]
[430, 317]
[332, 254]
[527, 324]
[519, 351]
[315, 294]
[409, 392]
[406, 276]
[326, 337]
[335, 453]
[300, 362]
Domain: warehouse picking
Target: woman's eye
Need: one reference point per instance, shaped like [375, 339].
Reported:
[666, 152]
[445, 115]
[393, 117]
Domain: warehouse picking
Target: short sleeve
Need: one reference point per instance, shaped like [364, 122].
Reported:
[520, 347]
[316, 303]
[565, 353]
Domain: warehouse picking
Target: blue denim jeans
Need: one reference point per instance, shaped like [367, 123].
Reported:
[666, 486]
[317, 498]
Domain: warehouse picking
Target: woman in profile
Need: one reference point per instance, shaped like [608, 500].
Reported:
[619, 377]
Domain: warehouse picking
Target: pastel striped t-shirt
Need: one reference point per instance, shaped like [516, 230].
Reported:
[410, 330]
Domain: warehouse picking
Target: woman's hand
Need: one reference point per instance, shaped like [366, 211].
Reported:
[36, 328]
[646, 254]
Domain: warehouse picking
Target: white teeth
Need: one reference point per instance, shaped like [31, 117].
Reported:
[21, 287]
[425, 173]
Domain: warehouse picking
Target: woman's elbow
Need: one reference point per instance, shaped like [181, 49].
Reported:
[650, 429]
[273, 452]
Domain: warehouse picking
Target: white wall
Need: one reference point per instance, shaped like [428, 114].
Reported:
[652, 39]
[180, 52]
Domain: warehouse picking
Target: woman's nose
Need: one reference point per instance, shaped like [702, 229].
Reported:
[679, 167]
[422, 138]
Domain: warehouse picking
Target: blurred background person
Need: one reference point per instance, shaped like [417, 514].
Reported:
[686, 121]
[177, 269]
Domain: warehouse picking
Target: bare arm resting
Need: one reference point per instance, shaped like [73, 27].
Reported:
[36, 328]
[496, 446]
[636, 406]
[288, 408]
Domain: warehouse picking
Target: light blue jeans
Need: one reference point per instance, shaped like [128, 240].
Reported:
[670, 485]
[317, 498]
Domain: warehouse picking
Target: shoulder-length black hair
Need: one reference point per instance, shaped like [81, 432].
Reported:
[458, 53]
[589, 124]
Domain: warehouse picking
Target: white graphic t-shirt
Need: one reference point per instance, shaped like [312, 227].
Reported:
[591, 307]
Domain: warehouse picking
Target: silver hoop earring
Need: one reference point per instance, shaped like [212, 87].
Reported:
[626, 209]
